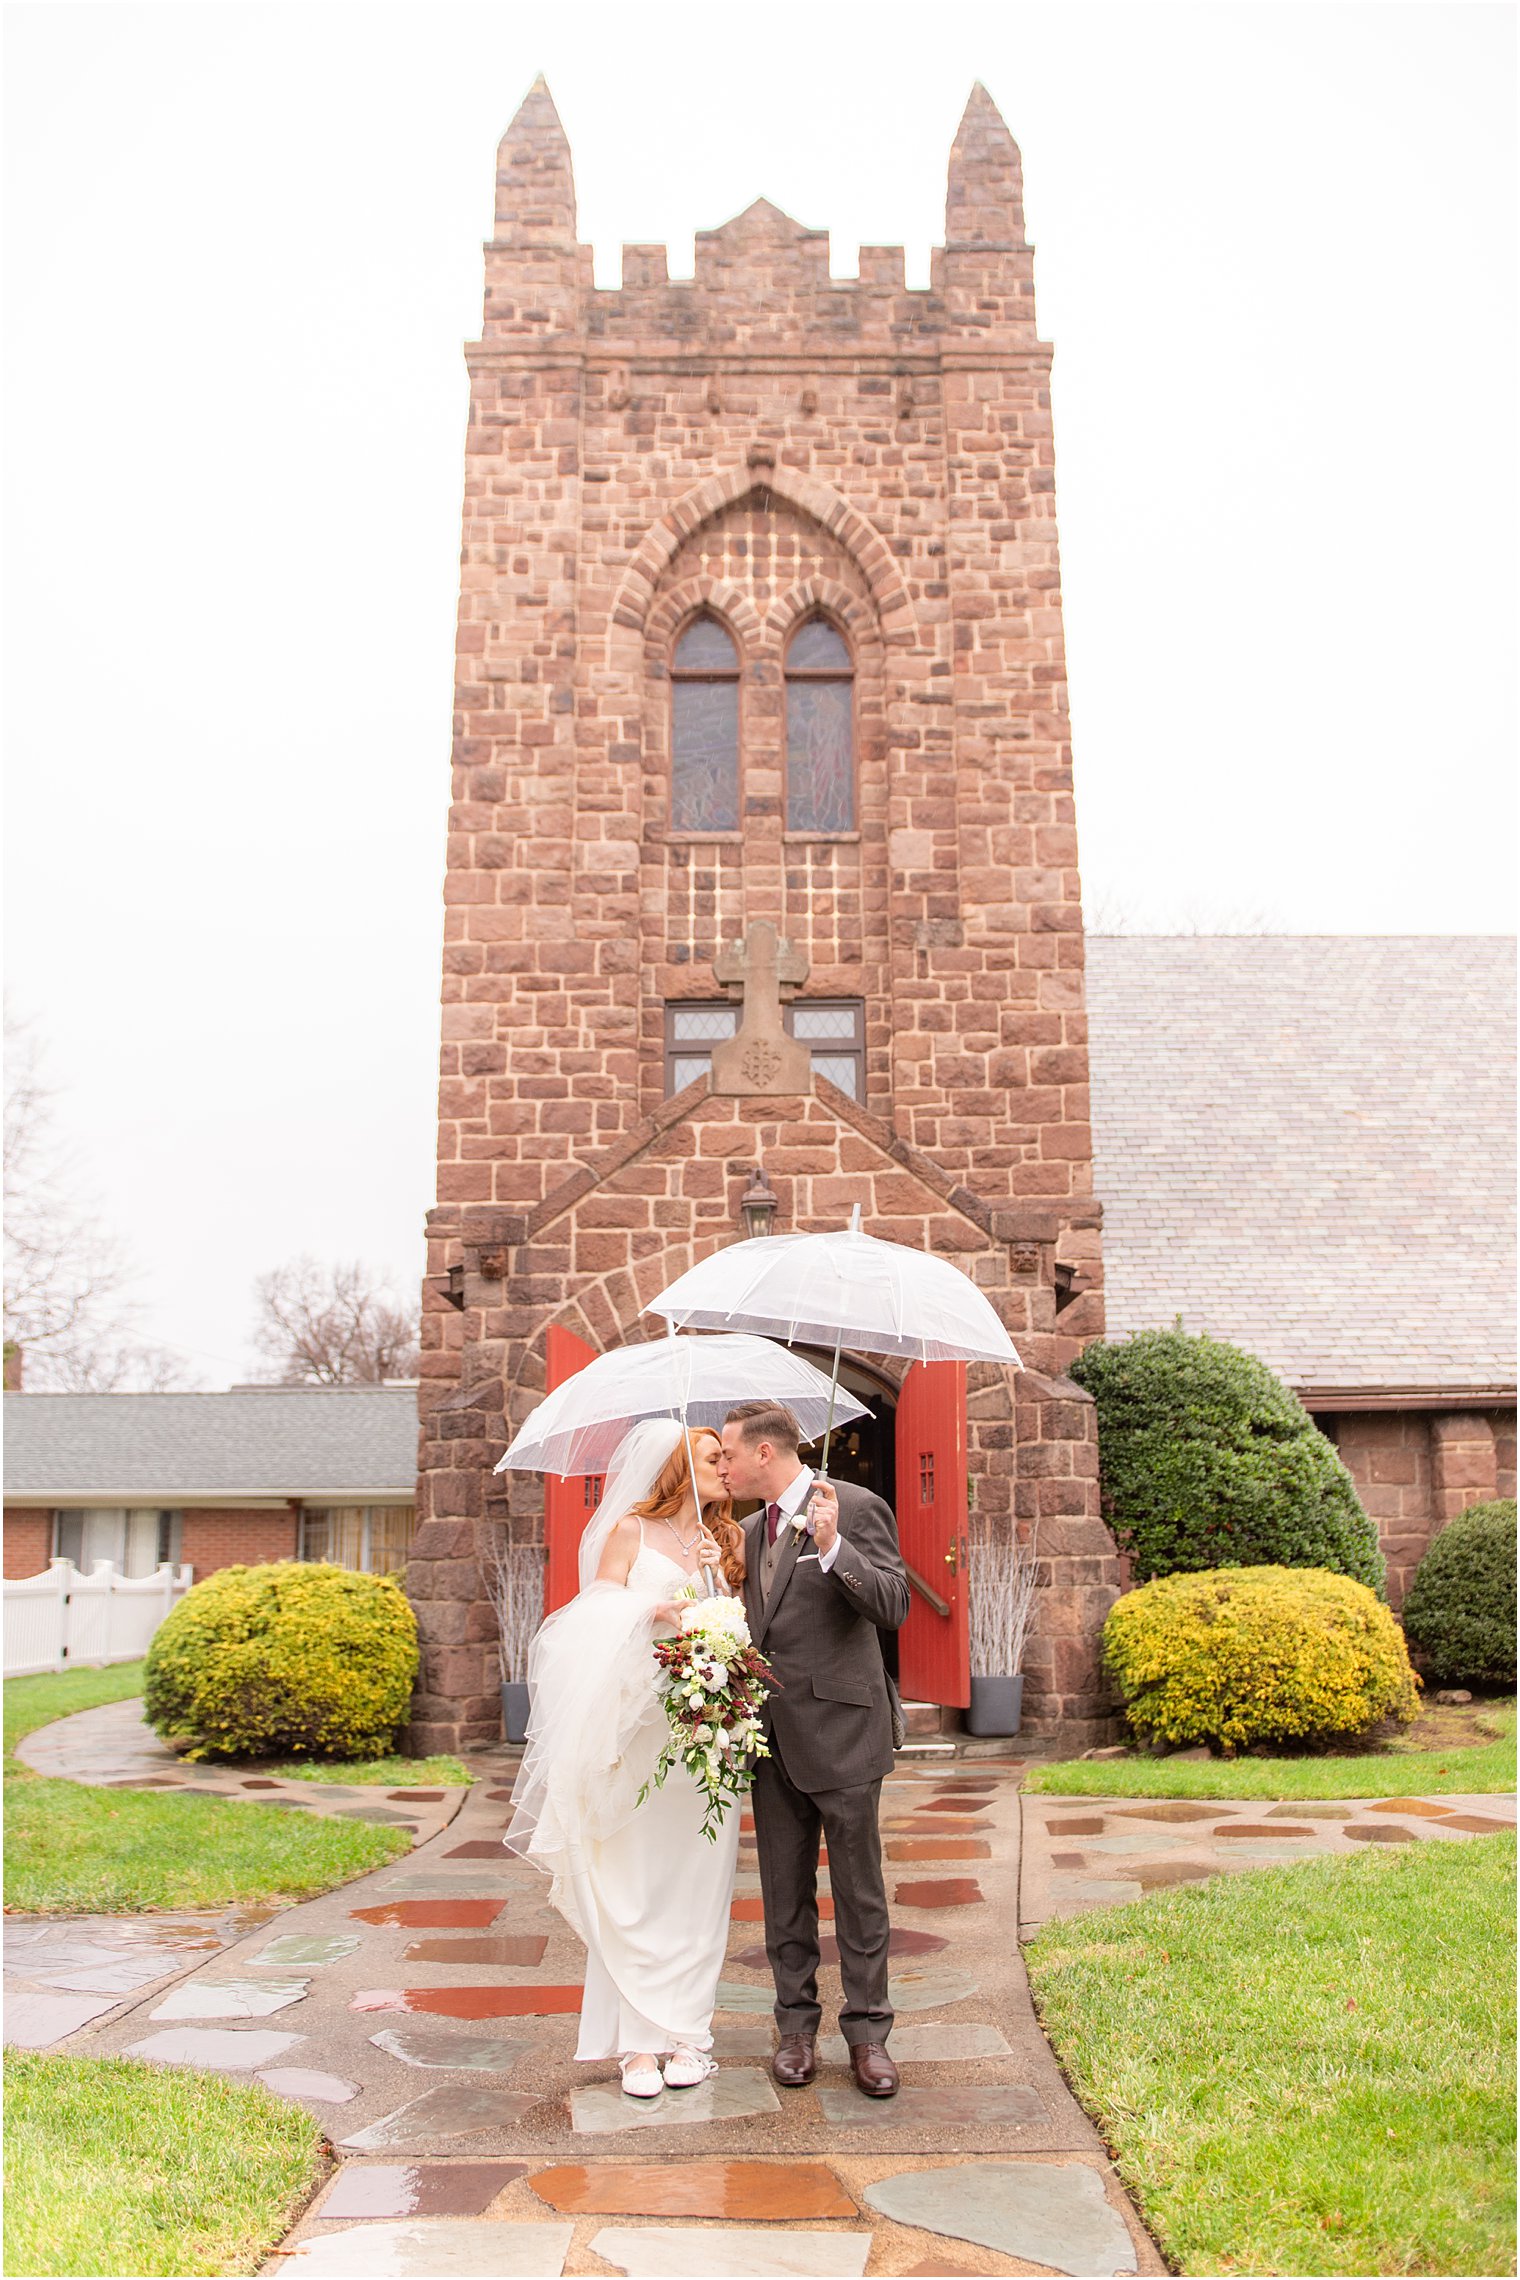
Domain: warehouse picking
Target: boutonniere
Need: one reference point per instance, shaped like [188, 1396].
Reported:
[798, 1523]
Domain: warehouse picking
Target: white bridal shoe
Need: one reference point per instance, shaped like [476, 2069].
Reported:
[684, 2068]
[640, 2081]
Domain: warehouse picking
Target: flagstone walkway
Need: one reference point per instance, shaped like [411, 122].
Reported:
[426, 2014]
[1081, 1853]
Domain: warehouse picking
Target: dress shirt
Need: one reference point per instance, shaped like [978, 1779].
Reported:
[791, 1500]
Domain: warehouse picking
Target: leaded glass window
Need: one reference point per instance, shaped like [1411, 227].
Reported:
[820, 730]
[833, 1031]
[704, 729]
[691, 1031]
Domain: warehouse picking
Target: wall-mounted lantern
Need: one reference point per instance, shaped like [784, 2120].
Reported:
[758, 1204]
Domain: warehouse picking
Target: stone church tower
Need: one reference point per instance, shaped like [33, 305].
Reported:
[763, 855]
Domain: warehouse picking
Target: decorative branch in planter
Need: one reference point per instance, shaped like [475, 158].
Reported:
[1000, 1610]
[514, 1578]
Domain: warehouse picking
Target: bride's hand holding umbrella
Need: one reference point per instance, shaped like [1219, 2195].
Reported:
[709, 1553]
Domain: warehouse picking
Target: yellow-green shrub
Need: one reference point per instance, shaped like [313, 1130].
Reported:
[1233, 1656]
[296, 1659]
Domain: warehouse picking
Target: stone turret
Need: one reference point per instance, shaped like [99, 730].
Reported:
[536, 274]
[984, 195]
[535, 184]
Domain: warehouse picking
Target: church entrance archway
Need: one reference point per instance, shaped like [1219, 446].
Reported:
[909, 1449]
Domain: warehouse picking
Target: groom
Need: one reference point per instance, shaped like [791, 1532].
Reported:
[817, 1593]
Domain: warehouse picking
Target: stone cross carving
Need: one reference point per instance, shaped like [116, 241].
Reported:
[761, 1058]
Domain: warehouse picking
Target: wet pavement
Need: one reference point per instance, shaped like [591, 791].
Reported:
[426, 2014]
[111, 1748]
[1085, 1853]
[62, 1972]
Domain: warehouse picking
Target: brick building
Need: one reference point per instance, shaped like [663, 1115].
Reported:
[210, 1479]
[1306, 1145]
[763, 853]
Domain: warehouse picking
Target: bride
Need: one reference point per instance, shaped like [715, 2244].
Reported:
[642, 1886]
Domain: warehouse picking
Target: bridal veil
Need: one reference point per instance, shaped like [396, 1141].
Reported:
[596, 1724]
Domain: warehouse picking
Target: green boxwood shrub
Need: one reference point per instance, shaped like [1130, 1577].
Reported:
[1207, 1460]
[1459, 1614]
[296, 1659]
[1257, 1654]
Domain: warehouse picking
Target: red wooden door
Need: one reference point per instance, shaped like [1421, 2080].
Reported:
[568, 1504]
[934, 1659]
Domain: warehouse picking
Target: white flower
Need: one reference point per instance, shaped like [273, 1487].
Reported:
[720, 1624]
[799, 1525]
[702, 1736]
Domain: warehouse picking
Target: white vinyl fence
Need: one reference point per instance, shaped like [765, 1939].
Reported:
[64, 1617]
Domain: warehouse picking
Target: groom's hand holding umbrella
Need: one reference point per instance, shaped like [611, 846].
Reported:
[823, 1518]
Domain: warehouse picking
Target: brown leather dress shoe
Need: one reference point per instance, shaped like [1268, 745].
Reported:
[795, 2061]
[875, 2075]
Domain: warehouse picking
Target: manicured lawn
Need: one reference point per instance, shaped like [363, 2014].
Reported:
[34, 1702]
[1469, 1763]
[1307, 2069]
[387, 1772]
[72, 1850]
[115, 2167]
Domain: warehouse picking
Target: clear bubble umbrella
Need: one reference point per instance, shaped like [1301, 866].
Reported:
[841, 1289]
[577, 1428]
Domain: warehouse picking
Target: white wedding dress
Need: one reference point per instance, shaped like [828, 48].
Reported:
[640, 1883]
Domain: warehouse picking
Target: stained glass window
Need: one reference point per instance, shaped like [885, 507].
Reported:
[704, 730]
[820, 730]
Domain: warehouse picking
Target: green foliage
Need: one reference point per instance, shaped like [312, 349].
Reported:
[1257, 1654]
[1460, 1611]
[441, 1772]
[113, 2166]
[293, 1659]
[49, 1694]
[1393, 1768]
[1305, 2069]
[70, 1849]
[1209, 1461]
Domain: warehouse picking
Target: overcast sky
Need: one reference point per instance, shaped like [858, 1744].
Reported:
[1275, 253]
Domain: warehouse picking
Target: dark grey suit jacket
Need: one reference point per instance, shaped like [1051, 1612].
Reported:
[830, 1715]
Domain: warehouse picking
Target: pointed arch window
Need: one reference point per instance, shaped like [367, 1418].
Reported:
[820, 729]
[704, 729]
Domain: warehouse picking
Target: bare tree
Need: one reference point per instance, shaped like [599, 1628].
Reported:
[69, 1307]
[1110, 912]
[334, 1324]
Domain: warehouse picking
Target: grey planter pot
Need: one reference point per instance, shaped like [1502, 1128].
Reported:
[996, 1705]
[514, 1711]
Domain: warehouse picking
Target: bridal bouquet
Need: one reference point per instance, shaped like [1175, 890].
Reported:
[712, 1682]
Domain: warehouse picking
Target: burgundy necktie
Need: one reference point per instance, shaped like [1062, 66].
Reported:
[772, 1522]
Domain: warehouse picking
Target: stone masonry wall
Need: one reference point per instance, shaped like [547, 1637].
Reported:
[762, 439]
[1415, 1469]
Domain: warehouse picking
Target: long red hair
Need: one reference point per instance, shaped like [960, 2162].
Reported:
[669, 1493]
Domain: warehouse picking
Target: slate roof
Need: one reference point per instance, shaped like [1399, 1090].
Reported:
[350, 1444]
[1305, 1144]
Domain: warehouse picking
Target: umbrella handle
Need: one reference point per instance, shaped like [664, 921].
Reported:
[828, 1431]
[691, 1474]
